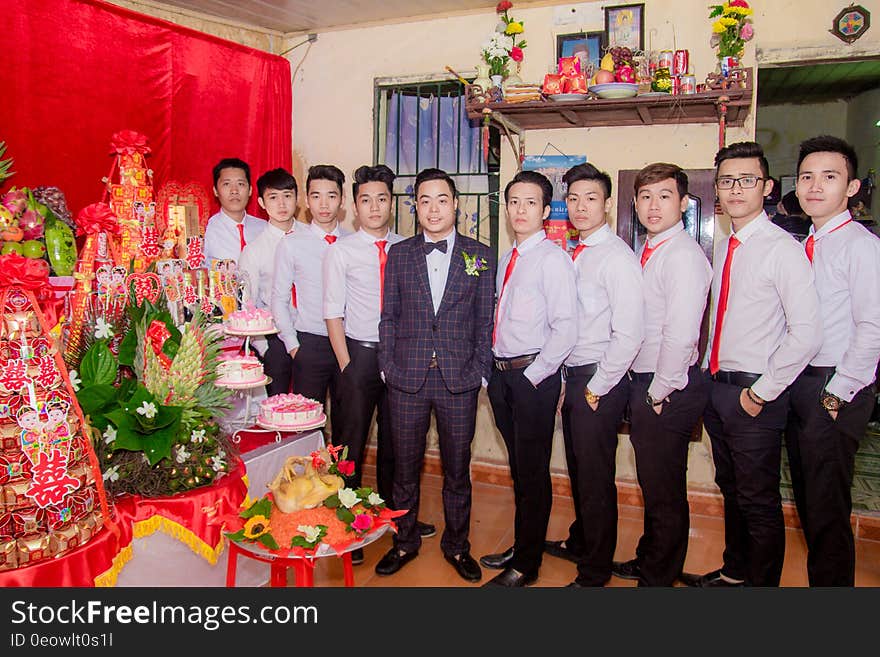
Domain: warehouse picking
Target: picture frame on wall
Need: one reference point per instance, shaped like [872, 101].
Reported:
[588, 46]
[625, 26]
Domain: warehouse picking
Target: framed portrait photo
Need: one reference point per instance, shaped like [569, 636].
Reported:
[625, 26]
[588, 46]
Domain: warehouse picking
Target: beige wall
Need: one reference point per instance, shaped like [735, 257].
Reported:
[864, 133]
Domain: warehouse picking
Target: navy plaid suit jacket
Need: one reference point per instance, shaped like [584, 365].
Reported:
[461, 331]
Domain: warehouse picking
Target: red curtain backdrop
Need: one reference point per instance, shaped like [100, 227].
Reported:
[73, 72]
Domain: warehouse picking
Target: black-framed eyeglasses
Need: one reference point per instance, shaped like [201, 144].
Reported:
[745, 182]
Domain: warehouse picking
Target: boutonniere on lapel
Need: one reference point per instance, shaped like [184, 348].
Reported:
[474, 264]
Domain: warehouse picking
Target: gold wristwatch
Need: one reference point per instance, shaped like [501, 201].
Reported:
[831, 402]
[591, 397]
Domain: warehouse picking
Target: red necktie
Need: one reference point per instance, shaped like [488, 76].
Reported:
[646, 253]
[722, 304]
[241, 239]
[383, 258]
[811, 241]
[507, 272]
[293, 294]
[577, 251]
[329, 239]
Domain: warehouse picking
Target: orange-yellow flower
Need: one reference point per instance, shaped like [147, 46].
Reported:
[255, 527]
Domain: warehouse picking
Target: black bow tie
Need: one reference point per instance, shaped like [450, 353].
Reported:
[430, 246]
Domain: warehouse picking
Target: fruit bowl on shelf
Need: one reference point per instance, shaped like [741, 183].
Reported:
[615, 89]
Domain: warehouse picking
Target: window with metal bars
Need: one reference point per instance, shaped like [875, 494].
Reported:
[422, 124]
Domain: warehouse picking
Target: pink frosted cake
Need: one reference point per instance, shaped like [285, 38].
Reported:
[290, 410]
[251, 320]
[236, 368]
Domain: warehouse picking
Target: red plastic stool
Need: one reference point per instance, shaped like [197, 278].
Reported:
[303, 567]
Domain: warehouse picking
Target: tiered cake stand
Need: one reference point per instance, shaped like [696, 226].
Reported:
[245, 389]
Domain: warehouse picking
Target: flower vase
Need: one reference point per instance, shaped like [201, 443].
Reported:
[727, 64]
[512, 78]
[496, 81]
[482, 80]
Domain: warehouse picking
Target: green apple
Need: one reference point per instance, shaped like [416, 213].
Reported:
[33, 249]
[11, 247]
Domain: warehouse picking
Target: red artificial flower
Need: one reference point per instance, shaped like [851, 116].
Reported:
[96, 218]
[362, 522]
[503, 6]
[345, 468]
[739, 3]
[128, 142]
[516, 54]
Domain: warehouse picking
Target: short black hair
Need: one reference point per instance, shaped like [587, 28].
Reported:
[587, 171]
[742, 150]
[434, 174]
[829, 144]
[231, 163]
[658, 172]
[377, 173]
[276, 179]
[534, 178]
[325, 172]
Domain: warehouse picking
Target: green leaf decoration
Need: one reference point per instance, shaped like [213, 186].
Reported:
[237, 536]
[332, 502]
[95, 398]
[262, 507]
[267, 540]
[127, 348]
[345, 515]
[300, 541]
[98, 365]
[364, 492]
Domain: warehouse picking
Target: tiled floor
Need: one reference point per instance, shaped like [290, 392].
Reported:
[491, 531]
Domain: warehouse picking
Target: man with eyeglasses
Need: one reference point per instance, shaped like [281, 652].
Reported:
[764, 328]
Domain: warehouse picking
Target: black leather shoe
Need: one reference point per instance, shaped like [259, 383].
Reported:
[466, 566]
[357, 557]
[426, 530]
[709, 580]
[626, 569]
[497, 561]
[394, 561]
[511, 578]
[558, 549]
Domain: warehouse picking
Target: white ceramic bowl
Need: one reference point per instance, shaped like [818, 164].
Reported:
[615, 90]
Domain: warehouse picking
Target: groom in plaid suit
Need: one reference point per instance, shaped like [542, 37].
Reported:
[435, 351]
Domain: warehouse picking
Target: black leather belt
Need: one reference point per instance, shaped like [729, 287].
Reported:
[640, 377]
[815, 370]
[569, 371]
[741, 379]
[515, 363]
[364, 344]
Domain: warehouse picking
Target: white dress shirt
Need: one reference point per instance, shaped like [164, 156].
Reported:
[222, 240]
[257, 261]
[846, 263]
[299, 261]
[676, 280]
[351, 283]
[438, 269]
[537, 311]
[772, 325]
[610, 314]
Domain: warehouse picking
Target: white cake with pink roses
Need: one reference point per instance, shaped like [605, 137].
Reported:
[251, 320]
[291, 411]
[239, 369]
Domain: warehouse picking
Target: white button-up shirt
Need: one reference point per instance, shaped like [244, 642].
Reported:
[610, 317]
[299, 261]
[772, 325]
[257, 262]
[846, 263]
[351, 283]
[222, 240]
[676, 280]
[537, 311]
[438, 269]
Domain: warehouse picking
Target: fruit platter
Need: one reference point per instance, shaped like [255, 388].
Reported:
[616, 66]
[35, 223]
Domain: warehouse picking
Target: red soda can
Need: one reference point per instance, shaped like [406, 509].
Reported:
[676, 85]
[665, 60]
[680, 62]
